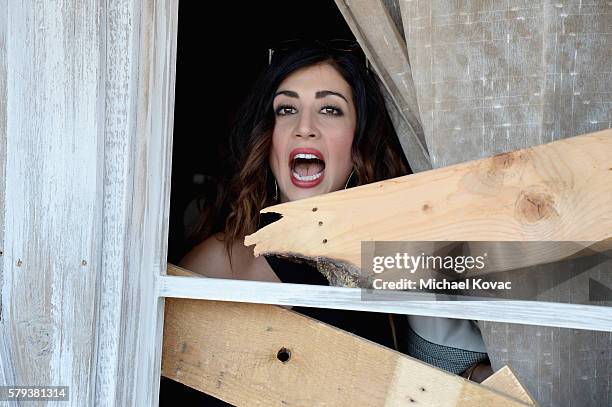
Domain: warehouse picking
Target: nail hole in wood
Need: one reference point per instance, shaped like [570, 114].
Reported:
[422, 388]
[324, 241]
[284, 355]
[412, 400]
[19, 263]
[320, 224]
[84, 263]
[1, 252]
[314, 209]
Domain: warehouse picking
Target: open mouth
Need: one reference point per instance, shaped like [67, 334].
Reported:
[307, 167]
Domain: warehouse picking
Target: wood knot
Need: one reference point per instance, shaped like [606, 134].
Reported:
[39, 333]
[532, 206]
[502, 161]
[488, 177]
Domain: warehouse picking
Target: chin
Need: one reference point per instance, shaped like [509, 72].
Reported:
[296, 193]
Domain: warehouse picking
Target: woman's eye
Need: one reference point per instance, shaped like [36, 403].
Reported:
[285, 110]
[331, 110]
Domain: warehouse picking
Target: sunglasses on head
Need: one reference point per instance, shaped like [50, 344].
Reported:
[284, 48]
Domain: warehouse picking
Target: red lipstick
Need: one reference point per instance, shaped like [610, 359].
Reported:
[305, 155]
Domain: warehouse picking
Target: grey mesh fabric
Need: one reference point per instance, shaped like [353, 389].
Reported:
[451, 359]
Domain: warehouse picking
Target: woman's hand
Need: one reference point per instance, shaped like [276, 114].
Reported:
[478, 372]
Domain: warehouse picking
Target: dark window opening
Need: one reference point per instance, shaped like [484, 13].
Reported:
[222, 49]
[217, 64]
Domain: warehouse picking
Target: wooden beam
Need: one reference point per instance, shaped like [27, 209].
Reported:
[561, 191]
[519, 312]
[505, 381]
[233, 351]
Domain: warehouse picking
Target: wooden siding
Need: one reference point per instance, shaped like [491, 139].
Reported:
[86, 120]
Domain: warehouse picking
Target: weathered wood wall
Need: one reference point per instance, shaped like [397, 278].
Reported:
[494, 76]
[386, 51]
[86, 103]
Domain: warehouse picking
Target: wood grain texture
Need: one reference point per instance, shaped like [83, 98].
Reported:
[6, 370]
[376, 32]
[559, 367]
[51, 206]
[3, 137]
[505, 381]
[86, 121]
[560, 191]
[492, 77]
[495, 76]
[394, 11]
[230, 350]
[408, 303]
[140, 77]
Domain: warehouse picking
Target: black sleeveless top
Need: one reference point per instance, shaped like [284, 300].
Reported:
[369, 325]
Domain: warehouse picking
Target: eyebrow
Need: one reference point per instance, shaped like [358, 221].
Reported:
[320, 94]
[323, 93]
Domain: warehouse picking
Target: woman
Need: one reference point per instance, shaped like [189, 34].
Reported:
[315, 98]
[315, 123]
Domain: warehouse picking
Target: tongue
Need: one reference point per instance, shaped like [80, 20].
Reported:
[308, 168]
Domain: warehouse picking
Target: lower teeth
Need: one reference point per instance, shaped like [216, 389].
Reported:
[307, 177]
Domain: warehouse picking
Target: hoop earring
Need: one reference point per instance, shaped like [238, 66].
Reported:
[349, 178]
[275, 191]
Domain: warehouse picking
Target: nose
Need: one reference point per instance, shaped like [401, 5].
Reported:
[306, 127]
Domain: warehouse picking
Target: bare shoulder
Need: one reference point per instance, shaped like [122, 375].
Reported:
[209, 258]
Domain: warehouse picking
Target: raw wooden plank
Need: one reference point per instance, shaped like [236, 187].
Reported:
[561, 191]
[505, 381]
[230, 350]
[525, 312]
[377, 34]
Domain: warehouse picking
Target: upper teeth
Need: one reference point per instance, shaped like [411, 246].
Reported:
[307, 156]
